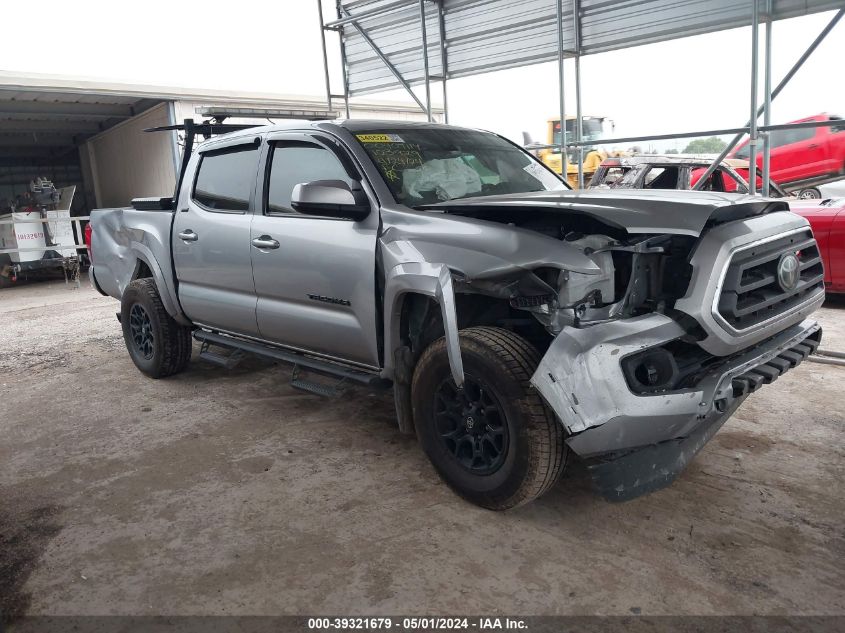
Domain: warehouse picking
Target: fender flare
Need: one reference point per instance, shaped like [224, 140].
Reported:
[432, 280]
[166, 292]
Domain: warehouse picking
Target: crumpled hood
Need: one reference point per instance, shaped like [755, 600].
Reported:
[634, 210]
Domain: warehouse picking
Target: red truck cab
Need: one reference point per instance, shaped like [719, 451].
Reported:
[804, 157]
[827, 219]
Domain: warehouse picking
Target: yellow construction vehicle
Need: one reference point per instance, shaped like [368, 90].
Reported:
[593, 128]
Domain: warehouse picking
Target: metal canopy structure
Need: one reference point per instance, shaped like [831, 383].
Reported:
[487, 35]
[44, 124]
[390, 44]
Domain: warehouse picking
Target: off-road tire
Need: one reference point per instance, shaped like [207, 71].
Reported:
[536, 454]
[171, 346]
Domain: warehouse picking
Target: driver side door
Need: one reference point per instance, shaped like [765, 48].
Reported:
[314, 276]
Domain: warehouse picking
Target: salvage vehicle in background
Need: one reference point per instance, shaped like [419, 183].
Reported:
[516, 321]
[801, 159]
[650, 171]
[827, 219]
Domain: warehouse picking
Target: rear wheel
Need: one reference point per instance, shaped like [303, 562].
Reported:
[494, 441]
[811, 193]
[158, 345]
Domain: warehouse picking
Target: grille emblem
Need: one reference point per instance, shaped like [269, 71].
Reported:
[788, 271]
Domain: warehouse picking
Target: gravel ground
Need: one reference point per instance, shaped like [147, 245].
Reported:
[228, 492]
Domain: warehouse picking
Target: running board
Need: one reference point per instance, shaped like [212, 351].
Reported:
[306, 362]
[312, 386]
[229, 361]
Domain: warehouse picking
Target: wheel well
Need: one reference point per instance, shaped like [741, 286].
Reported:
[142, 271]
[421, 322]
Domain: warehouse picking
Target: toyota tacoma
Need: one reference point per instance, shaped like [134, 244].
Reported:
[517, 322]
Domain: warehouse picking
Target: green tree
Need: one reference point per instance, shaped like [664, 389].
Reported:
[671, 151]
[712, 145]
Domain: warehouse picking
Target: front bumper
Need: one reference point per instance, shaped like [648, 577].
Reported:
[637, 443]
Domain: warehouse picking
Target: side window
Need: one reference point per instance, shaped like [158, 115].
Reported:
[295, 163]
[611, 177]
[661, 178]
[732, 184]
[801, 134]
[226, 178]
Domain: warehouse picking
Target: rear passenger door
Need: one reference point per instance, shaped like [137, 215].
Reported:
[316, 280]
[211, 249]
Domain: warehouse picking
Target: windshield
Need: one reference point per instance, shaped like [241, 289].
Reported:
[429, 165]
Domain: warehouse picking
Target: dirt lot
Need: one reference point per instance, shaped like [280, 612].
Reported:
[229, 492]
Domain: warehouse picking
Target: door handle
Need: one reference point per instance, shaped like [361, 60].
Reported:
[812, 146]
[265, 242]
[188, 236]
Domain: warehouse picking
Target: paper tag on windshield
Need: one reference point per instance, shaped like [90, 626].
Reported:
[535, 169]
[379, 138]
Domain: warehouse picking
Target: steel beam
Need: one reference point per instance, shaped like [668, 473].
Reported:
[88, 110]
[767, 103]
[426, 76]
[717, 132]
[350, 19]
[325, 56]
[37, 140]
[343, 63]
[579, 124]
[561, 94]
[49, 126]
[388, 64]
[444, 75]
[752, 130]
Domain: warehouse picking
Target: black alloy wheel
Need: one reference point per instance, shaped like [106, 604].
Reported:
[470, 424]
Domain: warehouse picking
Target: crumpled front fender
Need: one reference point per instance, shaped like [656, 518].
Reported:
[432, 280]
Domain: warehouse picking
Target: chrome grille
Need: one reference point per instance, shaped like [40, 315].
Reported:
[751, 293]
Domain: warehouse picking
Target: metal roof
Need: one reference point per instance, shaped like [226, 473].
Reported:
[47, 116]
[45, 124]
[487, 35]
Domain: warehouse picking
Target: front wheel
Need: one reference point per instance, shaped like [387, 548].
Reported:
[494, 441]
[158, 345]
[811, 193]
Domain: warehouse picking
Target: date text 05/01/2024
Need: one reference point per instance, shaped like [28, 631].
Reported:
[416, 623]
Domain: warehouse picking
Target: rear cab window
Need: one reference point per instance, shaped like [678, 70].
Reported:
[225, 178]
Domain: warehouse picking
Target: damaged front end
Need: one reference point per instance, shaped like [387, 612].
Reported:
[657, 314]
[639, 403]
[641, 384]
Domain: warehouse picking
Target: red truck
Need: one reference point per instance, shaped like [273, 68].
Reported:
[803, 158]
[827, 219]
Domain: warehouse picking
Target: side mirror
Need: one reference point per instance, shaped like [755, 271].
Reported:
[330, 198]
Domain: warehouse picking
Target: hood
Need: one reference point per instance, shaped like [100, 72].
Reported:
[632, 210]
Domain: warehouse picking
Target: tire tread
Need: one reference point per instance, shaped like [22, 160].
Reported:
[176, 339]
[548, 453]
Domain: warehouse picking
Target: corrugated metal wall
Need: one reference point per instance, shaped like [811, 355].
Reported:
[127, 162]
[486, 35]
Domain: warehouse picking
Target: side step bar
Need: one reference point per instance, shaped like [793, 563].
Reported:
[314, 364]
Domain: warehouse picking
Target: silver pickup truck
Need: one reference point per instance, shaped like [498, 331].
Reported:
[517, 322]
